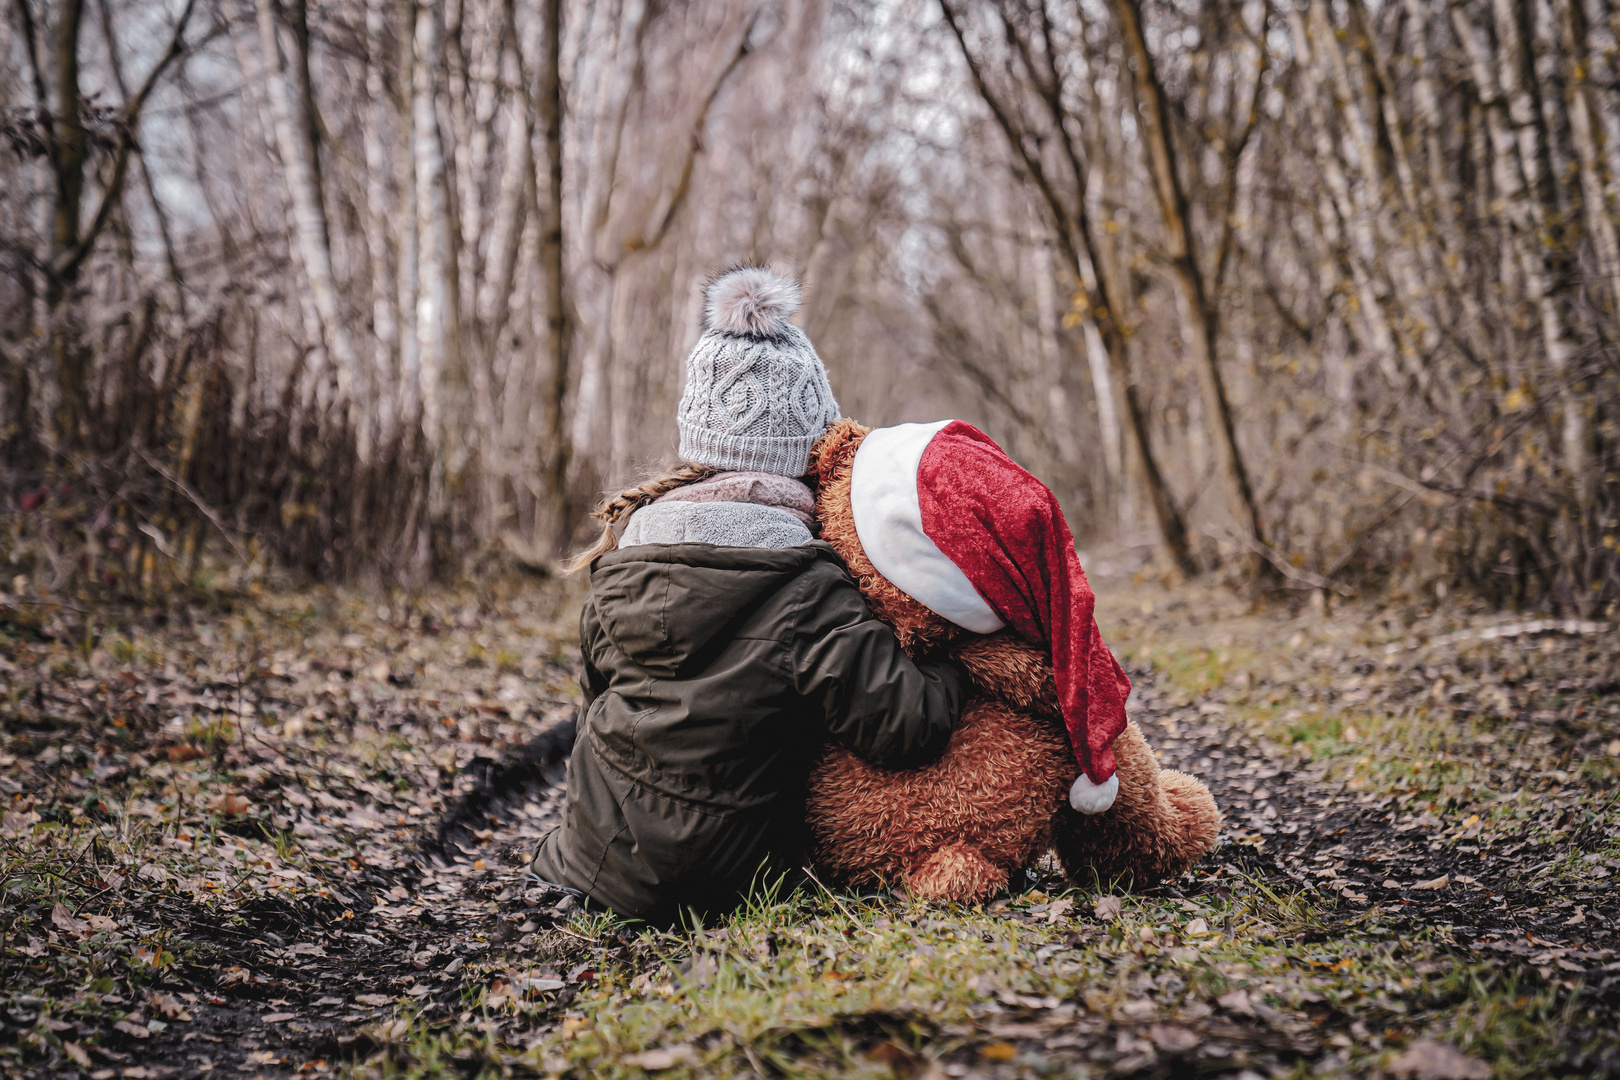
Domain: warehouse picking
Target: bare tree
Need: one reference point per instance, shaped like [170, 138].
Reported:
[1104, 301]
[1197, 297]
[398, 284]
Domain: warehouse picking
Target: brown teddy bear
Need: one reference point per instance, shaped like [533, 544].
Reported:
[996, 801]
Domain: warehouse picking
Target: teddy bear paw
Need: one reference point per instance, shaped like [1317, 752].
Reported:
[955, 872]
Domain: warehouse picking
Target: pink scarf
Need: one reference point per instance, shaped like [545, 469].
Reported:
[759, 488]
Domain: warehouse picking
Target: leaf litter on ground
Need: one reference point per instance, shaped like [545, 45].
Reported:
[220, 859]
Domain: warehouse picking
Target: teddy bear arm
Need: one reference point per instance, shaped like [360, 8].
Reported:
[1138, 772]
[1006, 666]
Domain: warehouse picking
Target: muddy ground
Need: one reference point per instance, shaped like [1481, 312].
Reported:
[221, 849]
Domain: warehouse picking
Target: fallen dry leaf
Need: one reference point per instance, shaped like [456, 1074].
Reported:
[1427, 1060]
[1434, 883]
[1172, 1039]
[185, 752]
[663, 1057]
[167, 1005]
[1196, 928]
[998, 1051]
[230, 804]
[1108, 908]
[76, 1052]
[277, 1018]
[134, 1031]
[63, 919]
[895, 1057]
[374, 1000]
[1237, 1001]
[1059, 909]
[154, 957]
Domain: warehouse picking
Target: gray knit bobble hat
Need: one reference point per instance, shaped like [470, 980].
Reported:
[756, 395]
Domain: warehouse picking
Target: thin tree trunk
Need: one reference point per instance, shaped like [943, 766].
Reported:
[1102, 383]
[1519, 170]
[549, 189]
[309, 215]
[1587, 134]
[1435, 203]
[1104, 297]
[165, 229]
[478, 67]
[384, 294]
[313, 372]
[432, 227]
[1199, 309]
[409, 389]
[69, 153]
[593, 407]
[438, 301]
[511, 201]
[1354, 233]
[489, 49]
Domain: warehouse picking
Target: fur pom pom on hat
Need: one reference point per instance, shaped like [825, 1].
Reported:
[945, 515]
[756, 396]
[750, 300]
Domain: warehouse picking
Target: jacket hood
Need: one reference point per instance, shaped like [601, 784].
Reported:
[661, 604]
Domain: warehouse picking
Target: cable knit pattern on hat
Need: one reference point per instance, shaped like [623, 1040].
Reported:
[757, 396]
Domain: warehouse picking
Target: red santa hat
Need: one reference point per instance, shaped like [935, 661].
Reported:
[950, 519]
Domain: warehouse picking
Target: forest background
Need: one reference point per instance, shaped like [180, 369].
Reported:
[317, 315]
[1325, 292]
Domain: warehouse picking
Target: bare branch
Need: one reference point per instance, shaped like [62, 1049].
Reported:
[65, 264]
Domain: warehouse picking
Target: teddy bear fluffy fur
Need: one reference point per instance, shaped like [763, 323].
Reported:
[998, 798]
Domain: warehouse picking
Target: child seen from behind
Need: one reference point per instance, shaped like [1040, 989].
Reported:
[723, 645]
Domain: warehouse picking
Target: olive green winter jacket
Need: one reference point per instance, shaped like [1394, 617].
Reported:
[713, 677]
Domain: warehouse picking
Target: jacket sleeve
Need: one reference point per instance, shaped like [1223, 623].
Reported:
[878, 702]
[591, 680]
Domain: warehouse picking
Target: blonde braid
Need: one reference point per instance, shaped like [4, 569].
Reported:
[629, 501]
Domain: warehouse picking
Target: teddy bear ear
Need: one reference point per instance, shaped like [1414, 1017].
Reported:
[836, 448]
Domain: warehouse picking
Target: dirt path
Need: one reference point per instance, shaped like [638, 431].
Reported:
[214, 835]
[214, 863]
[1475, 801]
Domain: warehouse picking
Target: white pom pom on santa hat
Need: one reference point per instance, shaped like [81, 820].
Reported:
[1089, 798]
[750, 300]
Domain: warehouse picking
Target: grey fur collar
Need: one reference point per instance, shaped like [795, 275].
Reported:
[727, 524]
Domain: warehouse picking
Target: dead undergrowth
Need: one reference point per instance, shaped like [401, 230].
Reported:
[217, 858]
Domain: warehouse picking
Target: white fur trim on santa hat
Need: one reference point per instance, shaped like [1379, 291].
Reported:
[888, 519]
